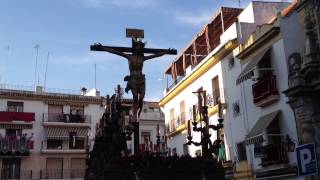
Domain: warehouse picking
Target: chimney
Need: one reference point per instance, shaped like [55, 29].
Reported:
[39, 89]
[83, 91]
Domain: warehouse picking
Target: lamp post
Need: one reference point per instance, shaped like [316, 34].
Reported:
[206, 144]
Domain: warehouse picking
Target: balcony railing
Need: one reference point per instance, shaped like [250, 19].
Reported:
[15, 174]
[216, 97]
[17, 116]
[274, 154]
[67, 118]
[62, 173]
[177, 121]
[16, 145]
[173, 83]
[64, 146]
[32, 89]
[265, 89]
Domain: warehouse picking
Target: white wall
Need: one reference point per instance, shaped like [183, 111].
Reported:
[191, 99]
[40, 108]
[256, 14]
[238, 127]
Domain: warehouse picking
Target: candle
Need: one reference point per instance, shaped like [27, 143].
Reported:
[189, 128]
[194, 113]
[158, 130]
[204, 98]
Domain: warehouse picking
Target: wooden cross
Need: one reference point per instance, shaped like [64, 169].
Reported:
[136, 57]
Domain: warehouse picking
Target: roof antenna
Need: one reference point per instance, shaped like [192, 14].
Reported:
[36, 65]
[45, 73]
[95, 76]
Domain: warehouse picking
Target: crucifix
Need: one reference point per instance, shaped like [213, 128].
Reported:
[136, 55]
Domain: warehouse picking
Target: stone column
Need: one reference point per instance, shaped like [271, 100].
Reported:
[304, 78]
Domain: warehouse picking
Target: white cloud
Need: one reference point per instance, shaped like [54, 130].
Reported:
[120, 3]
[192, 19]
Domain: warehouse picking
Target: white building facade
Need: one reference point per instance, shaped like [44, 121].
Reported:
[45, 135]
[250, 63]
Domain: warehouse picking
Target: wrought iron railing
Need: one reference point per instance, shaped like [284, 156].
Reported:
[17, 173]
[47, 145]
[172, 84]
[66, 118]
[62, 173]
[274, 154]
[216, 97]
[264, 88]
[177, 121]
[16, 145]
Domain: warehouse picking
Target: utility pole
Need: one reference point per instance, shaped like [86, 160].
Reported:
[36, 65]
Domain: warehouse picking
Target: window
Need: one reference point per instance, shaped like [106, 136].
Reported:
[172, 125]
[11, 168]
[77, 110]
[13, 132]
[182, 112]
[274, 152]
[54, 168]
[55, 113]
[80, 143]
[146, 140]
[264, 65]
[54, 144]
[145, 137]
[231, 63]
[14, 106]
[242, 154]
[216, 90]
[72, 140]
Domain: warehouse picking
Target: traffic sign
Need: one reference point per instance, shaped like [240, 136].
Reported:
[307, 161]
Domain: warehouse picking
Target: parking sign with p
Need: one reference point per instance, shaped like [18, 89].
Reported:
[307, 161]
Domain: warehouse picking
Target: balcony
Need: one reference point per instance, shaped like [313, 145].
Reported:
[66, 120]
[27, 117]
[62, 147]
[62, 173]
[16, 174]
[213, 100]
[15, 145]
[265, 91]
[177, 124]
[274, 154]
[172, 83]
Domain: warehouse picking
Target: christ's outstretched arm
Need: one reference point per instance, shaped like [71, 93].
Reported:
[99, 47]
[157, 54]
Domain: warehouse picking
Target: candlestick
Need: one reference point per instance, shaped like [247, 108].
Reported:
[204, 98]
[189, 128]
[194, 113]
[158, 130]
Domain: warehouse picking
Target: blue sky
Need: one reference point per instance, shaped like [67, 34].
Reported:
[66, 29]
